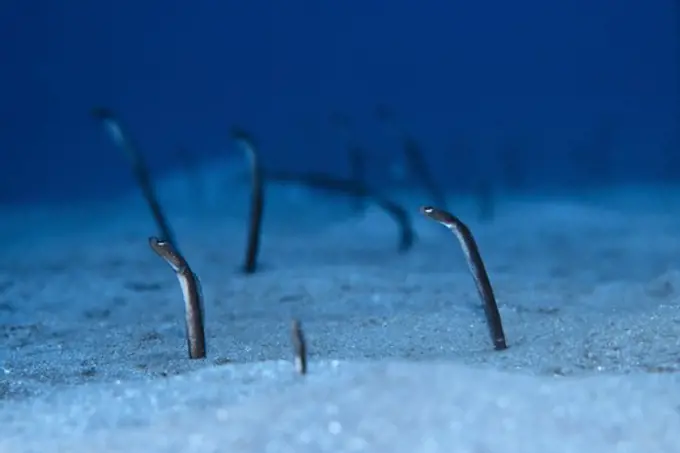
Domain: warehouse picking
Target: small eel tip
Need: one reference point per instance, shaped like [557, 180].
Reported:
[439, 215]
[101, 113]
[164, 249]
[436, 214]
[238, 133]
[155, 243]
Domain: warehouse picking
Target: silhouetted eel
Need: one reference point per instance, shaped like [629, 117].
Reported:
[353, 188]
[357, 163]
[299, 347]
[356, 155]
[190, 166]
[476, 265]
[140, 169]
[256, 198]
[485, 201]
[191, 290]
[416, 162]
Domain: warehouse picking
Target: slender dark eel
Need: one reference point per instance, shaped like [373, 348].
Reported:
[191, 290]
[299, 347]
[476, 265]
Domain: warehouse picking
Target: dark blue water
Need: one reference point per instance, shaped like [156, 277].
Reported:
[557, 94]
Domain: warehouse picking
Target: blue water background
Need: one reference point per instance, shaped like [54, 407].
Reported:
[586, 90]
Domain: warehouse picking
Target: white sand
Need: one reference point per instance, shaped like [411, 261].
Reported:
[94, 355]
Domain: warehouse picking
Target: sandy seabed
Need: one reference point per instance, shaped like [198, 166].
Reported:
[94, 359]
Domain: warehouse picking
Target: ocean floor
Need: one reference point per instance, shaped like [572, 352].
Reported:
[94, 357]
